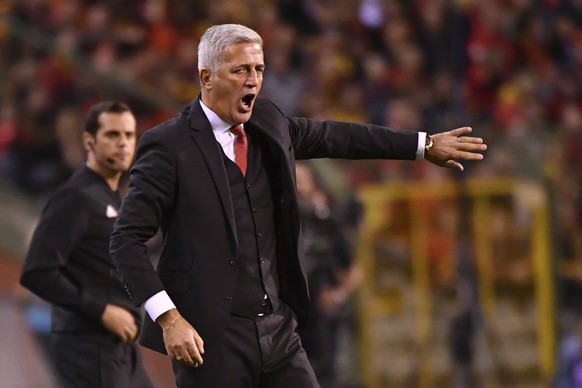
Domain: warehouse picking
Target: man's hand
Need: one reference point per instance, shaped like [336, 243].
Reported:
[120, 322]
[182, 342]
[452, 146]
[332, 299]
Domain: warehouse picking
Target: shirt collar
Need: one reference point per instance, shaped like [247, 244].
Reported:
[218, 125]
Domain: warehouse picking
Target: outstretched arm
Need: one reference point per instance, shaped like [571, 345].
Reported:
[451, 146]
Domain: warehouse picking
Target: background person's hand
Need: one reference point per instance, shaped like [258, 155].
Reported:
[182, 341]
[452, 146]
[120, 322]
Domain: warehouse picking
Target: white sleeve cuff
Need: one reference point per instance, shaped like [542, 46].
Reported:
[420, 146]
[158, 304]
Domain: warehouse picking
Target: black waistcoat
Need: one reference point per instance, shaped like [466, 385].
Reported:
[255, 225]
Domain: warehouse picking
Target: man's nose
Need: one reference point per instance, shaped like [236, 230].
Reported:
[253, 78]
[123, 141]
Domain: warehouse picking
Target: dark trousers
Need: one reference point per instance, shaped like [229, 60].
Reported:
[265, 352]
[99, 360]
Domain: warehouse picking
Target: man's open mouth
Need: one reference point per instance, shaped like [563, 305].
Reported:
[247, 101]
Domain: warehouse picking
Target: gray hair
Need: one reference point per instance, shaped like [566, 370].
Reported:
[218, 38]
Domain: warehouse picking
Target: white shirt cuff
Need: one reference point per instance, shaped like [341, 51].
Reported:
[420, 146]
[158, 304]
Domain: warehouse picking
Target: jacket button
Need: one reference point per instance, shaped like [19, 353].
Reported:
[228, 299]
[233, 262]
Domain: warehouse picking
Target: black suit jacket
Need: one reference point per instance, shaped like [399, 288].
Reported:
[68, 262]
[179, 183]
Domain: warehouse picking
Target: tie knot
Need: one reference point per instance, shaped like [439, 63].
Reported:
[238, 131]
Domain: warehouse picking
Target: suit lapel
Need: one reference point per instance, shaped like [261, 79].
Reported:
[209, 148]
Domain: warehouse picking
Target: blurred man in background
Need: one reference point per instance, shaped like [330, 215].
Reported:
[332, 275]
[94, 324]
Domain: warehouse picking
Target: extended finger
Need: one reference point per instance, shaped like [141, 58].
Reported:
[466, 155]
[461, 131]
[470, 140]
[454, 165]
[470, 147]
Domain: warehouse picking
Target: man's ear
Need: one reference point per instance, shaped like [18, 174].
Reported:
[205, 78]
[88, 142]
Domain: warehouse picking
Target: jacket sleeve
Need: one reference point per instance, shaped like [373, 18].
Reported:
[343, 140]
[62, 224]
[150, 195]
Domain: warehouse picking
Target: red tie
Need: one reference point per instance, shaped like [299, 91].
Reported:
[241, 147]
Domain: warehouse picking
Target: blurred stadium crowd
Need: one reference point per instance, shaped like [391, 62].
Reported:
[511, 69]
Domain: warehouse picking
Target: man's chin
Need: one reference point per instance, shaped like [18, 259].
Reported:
[243, 117]
[120, 166]
[124, 167]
